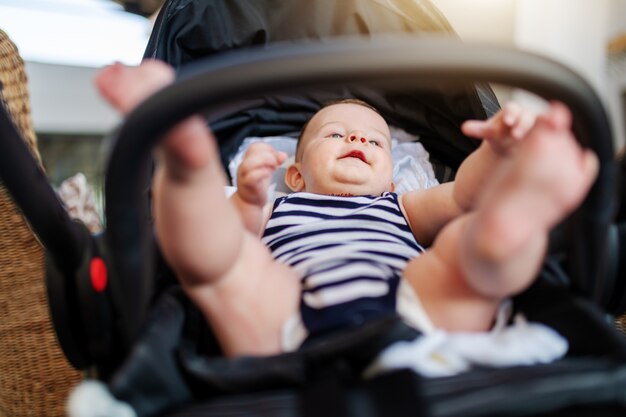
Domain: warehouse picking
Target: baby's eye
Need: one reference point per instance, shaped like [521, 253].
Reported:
[335, 135]
[374, 142]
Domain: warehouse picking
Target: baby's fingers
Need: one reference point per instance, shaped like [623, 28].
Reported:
[511, 114]
[253, 186]
[504, 129]
[262, 154]
[474, 128]
[256, 177]
[492, 128]
[264, 159]
[524, 122]
[280, 157]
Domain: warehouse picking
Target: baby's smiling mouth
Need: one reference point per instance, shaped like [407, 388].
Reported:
[355, 154]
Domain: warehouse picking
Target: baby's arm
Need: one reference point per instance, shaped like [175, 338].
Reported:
[253, 179]
[428, 211]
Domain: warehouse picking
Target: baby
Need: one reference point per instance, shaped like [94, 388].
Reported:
[340, 249]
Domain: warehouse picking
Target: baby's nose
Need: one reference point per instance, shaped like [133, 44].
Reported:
[357, 137]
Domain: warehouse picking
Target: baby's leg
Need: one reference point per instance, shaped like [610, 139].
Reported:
[547, 178]
[447, 297]
[497, 251]
[229, 274]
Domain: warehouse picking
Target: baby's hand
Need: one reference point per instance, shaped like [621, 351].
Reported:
[504, 129]
[255, 172]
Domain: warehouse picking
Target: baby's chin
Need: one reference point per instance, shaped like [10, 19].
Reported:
[348, 183]
[353, 190]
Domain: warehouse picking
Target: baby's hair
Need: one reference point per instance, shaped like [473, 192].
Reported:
[332, 103]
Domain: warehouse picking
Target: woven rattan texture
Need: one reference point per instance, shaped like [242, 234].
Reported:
[14, 89]
[35, 377]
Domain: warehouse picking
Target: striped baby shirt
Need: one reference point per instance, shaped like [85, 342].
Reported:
[349, 252]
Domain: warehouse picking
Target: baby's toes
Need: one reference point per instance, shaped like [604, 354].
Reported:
[524, 124]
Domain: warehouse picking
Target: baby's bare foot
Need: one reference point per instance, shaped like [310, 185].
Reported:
[547, 178]
[189, 145]
[125, 87]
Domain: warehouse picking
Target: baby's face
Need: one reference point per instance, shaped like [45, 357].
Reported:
[346, 149]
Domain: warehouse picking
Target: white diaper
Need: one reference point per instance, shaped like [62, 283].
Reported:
[293, 333]
[439, 353]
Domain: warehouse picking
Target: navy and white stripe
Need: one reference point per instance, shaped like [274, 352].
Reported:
[349, 251]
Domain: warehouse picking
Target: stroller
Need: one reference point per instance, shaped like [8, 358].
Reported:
[254, 70]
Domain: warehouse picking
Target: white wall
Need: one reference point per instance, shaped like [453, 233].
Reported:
[491, 21]
[571, 31]
[64, 100]
[574, 32]
[616, 88]
[617, 18]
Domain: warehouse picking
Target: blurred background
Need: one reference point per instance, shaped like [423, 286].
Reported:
[64, 42]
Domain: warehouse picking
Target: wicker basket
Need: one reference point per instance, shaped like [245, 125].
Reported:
[35, 377]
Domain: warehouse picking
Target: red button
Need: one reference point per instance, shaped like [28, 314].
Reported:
[98, 274]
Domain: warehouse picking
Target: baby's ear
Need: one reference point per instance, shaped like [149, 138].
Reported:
[293, 178]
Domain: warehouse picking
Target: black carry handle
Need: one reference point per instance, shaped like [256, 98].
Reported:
[33, 194]
[401, 60]
[82, 317]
